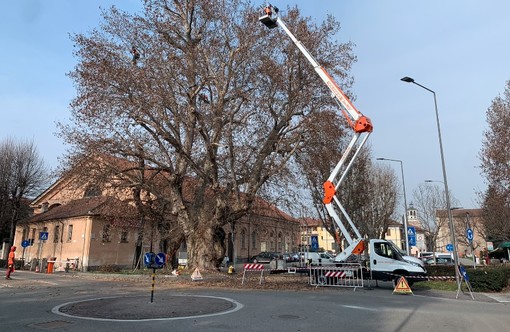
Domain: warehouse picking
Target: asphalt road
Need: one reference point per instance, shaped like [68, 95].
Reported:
[65, 302]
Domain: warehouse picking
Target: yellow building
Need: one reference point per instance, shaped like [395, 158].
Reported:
[72, 225]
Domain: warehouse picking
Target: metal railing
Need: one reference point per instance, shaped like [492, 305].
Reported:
[341, 275]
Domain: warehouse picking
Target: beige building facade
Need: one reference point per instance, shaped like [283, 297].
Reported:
[70, 227]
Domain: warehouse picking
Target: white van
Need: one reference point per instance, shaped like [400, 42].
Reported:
[317, 258]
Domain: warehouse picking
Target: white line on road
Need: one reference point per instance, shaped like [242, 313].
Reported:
[360, 308]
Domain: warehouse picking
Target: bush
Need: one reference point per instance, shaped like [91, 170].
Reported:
[489, 279]
[481, 279]
[441, 270]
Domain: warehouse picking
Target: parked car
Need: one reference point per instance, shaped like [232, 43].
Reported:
[439, 261]
[316, 258]
[291, 257]
[265, 257]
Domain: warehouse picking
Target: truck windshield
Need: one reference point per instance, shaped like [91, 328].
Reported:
[397, 252]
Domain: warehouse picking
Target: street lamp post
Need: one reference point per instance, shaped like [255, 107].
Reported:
[405, 200]
[445, 182]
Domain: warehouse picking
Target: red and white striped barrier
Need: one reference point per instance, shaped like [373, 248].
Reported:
[253, 267]
[341, 275]
[335, 274]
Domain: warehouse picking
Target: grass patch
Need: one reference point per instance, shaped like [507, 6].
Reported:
[449, 285]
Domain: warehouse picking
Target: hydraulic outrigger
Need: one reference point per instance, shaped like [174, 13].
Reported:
[360, 124]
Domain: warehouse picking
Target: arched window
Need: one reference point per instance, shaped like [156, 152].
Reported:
[243, 239]
[106, 236]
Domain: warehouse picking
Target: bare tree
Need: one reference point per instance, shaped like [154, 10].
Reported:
[428, 199]
[200, 90]
[495, 161]
[22, 174]
[368, 193]
[382, 201]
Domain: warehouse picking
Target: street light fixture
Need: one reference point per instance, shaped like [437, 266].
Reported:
[405, 201]
[445, 182]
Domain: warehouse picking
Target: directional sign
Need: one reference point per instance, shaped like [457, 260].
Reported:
[463, 273]
[411, 235]
[43, 236]
[411, 240]
[315, 242]
[160, 259]
[469, 234]
[148, 258]
[25, 243]
[449, 247]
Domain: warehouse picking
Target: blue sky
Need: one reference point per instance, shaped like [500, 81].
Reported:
[458, 48]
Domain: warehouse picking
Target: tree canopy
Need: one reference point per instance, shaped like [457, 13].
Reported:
[495, 165]
[22, 174]
[201, 89]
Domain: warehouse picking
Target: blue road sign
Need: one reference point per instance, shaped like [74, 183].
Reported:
[449, 247]
[411, 240]
[148, 258]
[25, 243]
[160, 259]
[43, 236]
[469, 234]
[411, 235]
[463, 272]
[315, 242]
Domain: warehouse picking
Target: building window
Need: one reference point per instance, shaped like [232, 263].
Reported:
[106, 237]
[124, 236]
[57, 233]
[243, 239]
[92, 191]
[69, 233]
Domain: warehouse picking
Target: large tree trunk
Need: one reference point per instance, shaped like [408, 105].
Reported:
[206, 247]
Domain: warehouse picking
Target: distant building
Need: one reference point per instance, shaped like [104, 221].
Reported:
[315, 228]
[462, 220]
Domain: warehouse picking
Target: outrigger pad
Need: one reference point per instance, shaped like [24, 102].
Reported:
[268, 21]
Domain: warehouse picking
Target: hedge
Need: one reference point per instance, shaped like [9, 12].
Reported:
[482, 279]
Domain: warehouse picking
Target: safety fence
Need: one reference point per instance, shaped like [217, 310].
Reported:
[341, 275]
[338, 275]
[420, 278]
[259, 268]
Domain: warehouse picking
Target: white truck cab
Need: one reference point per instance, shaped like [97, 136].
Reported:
[388, 263]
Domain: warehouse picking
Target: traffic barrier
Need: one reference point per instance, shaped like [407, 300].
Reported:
[253, 268]
[422, 278]
[341, 275]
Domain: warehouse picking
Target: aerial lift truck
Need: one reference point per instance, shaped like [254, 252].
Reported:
[386, 261]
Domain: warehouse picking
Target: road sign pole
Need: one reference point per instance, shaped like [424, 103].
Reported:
[153, 281]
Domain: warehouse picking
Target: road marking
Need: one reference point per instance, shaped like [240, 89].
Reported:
[498, 297]
[357, 307]
[236, 306]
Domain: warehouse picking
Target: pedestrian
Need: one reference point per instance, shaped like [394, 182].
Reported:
[10, 263]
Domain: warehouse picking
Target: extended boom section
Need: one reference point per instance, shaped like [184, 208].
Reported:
[361, 126]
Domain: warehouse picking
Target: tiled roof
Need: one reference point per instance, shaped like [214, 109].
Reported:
[89, 206]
